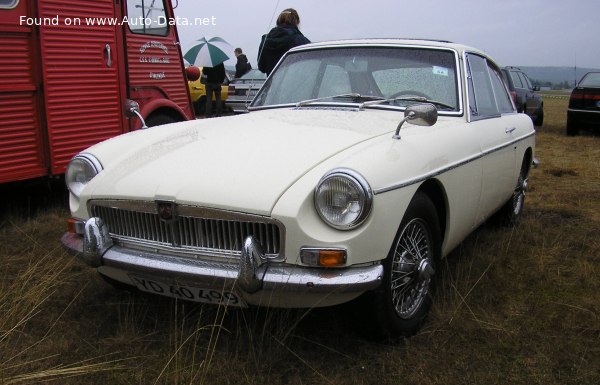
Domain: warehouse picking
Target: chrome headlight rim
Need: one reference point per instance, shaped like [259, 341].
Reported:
[89, 162]
[362, 187]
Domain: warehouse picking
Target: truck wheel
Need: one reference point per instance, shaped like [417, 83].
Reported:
[159, 120]
[403, 301]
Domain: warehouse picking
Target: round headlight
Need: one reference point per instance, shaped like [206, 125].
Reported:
[343, 199]
[81, 169]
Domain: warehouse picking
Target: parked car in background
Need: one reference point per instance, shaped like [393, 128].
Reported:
[524, 94]
[360, 165]
[242, 90]
[198, 95]
[584, 104]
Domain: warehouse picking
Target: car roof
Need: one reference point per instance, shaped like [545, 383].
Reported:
[391, 42]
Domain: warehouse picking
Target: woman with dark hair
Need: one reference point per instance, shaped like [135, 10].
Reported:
[280, 39]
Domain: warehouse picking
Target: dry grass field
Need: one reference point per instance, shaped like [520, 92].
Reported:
[514, 305]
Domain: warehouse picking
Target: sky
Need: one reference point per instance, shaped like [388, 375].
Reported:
[512, 32]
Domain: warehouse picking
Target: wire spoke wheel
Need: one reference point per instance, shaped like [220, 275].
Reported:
[519, 194]
[411, 269]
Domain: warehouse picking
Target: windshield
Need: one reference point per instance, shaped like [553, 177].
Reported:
[403, 75]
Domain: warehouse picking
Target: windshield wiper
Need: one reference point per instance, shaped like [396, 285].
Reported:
[341, 96]
[409, 98]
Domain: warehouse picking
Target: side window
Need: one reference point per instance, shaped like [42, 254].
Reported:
[516, 79]
[526, 82]
[147, 17]
[8, 4]
[482, 103]
[502, 97]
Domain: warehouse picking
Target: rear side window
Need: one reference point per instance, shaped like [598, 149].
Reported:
[502, 97]
[526, 82]
[147, 17]
[516, 79]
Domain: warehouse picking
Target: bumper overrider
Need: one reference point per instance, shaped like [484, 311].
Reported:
[256, 279]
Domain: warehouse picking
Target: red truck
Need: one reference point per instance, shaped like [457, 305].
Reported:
[69, 71]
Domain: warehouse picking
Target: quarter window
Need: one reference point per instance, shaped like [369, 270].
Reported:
[147, 17]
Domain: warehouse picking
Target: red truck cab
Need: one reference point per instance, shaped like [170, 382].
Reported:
[68, 70]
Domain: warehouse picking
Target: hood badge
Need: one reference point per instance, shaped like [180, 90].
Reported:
[166, 211]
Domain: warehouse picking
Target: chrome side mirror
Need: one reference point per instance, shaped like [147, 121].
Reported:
[132, 109]
[422, 114]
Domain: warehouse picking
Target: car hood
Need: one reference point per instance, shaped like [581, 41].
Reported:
[241, 163]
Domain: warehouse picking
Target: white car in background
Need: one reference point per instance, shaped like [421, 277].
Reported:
[243, 89]
[361, 164]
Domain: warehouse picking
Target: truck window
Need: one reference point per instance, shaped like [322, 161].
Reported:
[8, 4]
[147, 17]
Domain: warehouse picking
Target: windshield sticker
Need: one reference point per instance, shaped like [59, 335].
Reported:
[442, 71]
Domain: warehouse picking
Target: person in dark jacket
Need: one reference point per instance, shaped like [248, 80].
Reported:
[214, 78]
[279, 40]
[242, 66]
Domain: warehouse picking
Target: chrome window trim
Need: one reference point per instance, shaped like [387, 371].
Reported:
[450, 167]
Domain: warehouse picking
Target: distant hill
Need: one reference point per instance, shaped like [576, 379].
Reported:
[556, 75]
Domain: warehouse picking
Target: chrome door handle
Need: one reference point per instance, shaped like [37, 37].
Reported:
[510, 129]
[108, 55]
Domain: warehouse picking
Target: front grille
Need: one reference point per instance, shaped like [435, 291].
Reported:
[193, 230]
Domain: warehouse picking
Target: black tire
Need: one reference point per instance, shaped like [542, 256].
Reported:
[404, 299]
[572, 128]
[539, 117]
[510, 213]
[159, 120]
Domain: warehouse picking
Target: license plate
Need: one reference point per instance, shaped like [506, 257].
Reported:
[251, 93]
[189, 293]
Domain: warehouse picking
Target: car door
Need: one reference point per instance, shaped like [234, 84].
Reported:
[532, 102]
[494, 118]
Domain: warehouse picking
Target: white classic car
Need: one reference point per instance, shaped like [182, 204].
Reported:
[360, 165]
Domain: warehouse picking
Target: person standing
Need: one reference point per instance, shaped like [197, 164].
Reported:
[242, 66]
[214, 78]
[280, 39]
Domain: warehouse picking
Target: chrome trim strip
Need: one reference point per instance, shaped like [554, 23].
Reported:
[450, 167]
[586, 111]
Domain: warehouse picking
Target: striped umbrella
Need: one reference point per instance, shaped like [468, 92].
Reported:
[208, 53]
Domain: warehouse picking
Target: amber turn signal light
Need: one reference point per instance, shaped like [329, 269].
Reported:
[324, 257]
[75, 226]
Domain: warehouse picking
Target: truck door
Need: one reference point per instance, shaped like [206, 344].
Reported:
[81, 76]
[21, 137]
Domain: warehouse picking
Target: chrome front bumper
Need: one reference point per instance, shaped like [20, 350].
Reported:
[257, 280]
